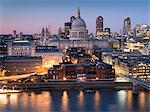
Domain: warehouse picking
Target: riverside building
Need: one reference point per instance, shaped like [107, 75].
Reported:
[14, 65]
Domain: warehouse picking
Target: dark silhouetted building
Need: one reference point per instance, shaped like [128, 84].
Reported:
[99, 24]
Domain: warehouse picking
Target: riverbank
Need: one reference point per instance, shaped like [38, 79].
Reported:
[65, 85]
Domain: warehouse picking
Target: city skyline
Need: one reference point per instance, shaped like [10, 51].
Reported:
[30, 16]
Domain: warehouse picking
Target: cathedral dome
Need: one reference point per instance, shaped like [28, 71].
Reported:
[78, 22]
[78, 28]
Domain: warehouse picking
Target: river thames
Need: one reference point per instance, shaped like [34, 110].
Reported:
[73, 100]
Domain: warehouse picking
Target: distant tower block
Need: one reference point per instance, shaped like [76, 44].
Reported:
[49, 29]
[99, 24]
[47, 32]
[14, 34]
[59, 32]
[127, 26]
[43, 36]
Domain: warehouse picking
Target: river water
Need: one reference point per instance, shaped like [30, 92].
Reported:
[101, 100]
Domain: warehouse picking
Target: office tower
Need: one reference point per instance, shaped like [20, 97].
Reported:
[99, 24]
[49, 29]
[47, 32]
[59, 32]
[14, 34]
[43, 37]
[20, 35]
[127, 26]
[67, 27]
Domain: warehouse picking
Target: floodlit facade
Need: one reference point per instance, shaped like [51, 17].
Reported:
[21, 48]
[50, 55]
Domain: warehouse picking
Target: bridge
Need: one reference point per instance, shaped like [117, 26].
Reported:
[137, 81]
[17, 77]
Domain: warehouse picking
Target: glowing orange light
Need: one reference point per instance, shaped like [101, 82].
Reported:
[37, 67]
[32, 79]
[64, 78]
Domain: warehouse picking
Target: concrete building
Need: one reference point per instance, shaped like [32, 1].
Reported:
[142, 30]
[51, 55]
[129, 46]
[103, 34]
[3, 48]
[14, 65]
[21, 48]
[87, 43]
[137, 67]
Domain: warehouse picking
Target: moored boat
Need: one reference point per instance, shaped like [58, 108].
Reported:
[90, 91]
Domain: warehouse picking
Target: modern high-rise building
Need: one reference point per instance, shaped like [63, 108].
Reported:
[44, 36]
[67, 27]
[20, 35]
[49, 29]
[99, 24]
[127, 26]
[47, 32]
[59, 32]
[14, 34]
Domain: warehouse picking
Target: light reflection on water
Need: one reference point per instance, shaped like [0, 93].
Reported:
[142, 101]
[97, 101]
[102, 100]
[129, 100]
[122, 97]
[81, 100]
[65, 101]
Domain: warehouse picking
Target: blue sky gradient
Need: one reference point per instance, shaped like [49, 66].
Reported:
[29, 16]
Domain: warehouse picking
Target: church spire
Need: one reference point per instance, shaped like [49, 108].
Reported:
[78, 13]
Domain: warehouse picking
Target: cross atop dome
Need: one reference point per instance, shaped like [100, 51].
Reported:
[78, 13]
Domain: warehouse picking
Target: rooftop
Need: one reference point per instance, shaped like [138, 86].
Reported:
[21, 43]
[46, 49]
[7, 58]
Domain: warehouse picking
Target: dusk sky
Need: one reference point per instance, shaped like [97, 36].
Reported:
[29, 16]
